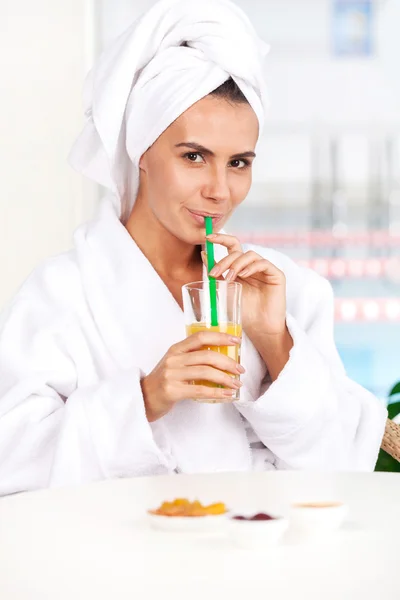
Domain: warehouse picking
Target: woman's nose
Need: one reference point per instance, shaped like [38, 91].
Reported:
[217, 187]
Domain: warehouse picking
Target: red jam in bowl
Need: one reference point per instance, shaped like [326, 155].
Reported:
[257, 517]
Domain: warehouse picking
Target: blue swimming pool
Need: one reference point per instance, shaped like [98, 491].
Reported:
[371, 354]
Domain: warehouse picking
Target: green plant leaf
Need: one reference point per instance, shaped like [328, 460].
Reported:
[387, 463]
[393, 409]
[395, 389]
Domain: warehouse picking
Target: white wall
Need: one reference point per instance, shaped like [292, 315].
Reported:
[45, 50]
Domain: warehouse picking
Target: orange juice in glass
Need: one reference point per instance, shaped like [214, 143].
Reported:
[197, 311]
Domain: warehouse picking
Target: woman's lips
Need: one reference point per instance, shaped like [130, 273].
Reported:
[199, 219]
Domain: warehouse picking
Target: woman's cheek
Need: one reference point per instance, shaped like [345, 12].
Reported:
[189, 182]
[241, 189]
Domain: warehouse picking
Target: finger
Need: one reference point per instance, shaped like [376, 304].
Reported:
[205, 373]
[224, 264]
[229, 241]
[205, 262]
[204, 339]
[271, 273]
[239, 262]
[212, 359]
[202, 393]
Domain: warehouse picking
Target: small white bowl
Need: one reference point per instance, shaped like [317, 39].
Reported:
[318, 517]
[257, 534]
[206, 524]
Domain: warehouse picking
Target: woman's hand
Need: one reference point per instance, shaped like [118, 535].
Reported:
[264, 300]
[170, 381]
[264, 286]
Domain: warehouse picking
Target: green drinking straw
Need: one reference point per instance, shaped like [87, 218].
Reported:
[211, 280]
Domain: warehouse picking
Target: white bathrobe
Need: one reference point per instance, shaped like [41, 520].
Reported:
[89, 324]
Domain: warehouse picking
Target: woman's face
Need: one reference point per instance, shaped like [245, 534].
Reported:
[201, 165]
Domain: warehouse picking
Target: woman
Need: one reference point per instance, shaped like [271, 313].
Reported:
[95, 371]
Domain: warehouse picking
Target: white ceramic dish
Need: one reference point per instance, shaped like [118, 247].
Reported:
[207, 524]
[257, 534]
[318, 517]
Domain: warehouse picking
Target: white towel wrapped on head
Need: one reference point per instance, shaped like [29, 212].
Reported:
[175, 54]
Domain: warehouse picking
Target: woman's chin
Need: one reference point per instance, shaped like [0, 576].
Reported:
[192, 235]
[198, 240]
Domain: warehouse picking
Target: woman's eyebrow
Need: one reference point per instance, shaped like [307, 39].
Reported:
[203, 150]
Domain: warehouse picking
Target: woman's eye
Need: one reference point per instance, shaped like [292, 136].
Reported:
[239, 163]
[194, 156]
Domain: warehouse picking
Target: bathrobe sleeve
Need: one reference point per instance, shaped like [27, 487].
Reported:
[313, 416]
[54, 430]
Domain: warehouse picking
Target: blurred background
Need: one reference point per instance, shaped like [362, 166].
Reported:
[326, 180]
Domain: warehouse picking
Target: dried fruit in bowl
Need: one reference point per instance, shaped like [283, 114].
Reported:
[181, 507]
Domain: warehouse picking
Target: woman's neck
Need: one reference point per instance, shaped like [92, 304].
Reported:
[169, 256]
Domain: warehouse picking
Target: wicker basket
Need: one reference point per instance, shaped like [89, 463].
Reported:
[391, 439]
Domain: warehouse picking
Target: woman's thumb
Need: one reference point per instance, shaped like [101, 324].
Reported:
[204, 258]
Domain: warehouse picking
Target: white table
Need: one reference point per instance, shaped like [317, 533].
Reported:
[93, 543]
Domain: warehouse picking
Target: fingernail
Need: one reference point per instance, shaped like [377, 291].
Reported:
[230, 275]
[241, 369]
[229, 393]
[211, 235]
[243, 273]
[204, 257]
[214, 272]
[238, 384]
[236, 340]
